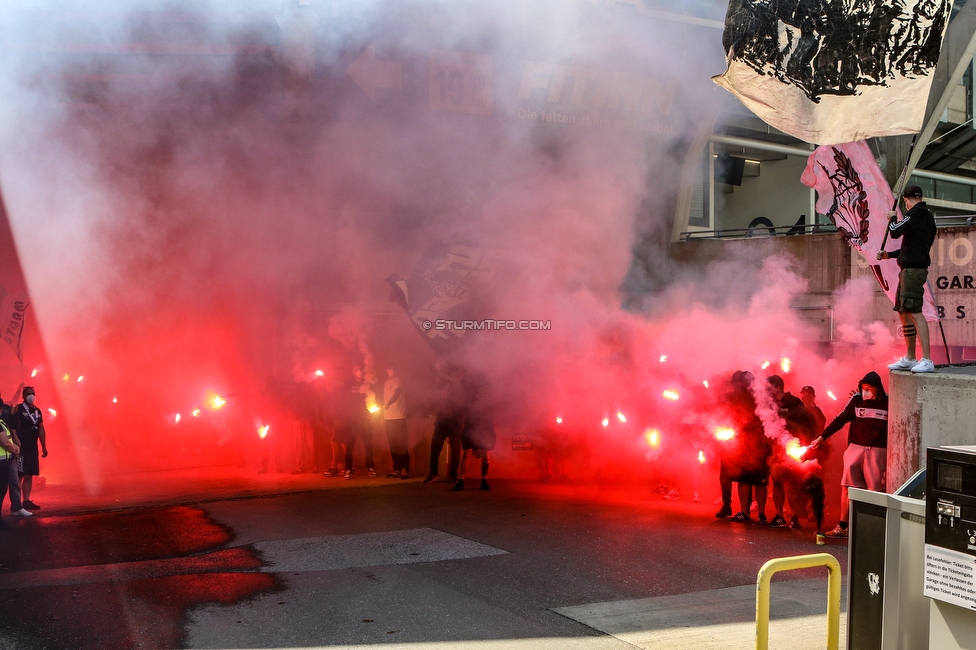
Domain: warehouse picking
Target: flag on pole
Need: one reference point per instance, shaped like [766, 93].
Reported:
[12, 311]
[853, 193]
[830, 72]
[451, 284]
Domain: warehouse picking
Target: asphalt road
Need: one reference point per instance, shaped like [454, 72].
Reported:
[332, 563]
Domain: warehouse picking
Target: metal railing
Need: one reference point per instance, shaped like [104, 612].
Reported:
[790, 564]
[946, 221]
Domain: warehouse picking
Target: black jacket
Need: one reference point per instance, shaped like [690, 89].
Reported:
[868, 419]
[918, 229]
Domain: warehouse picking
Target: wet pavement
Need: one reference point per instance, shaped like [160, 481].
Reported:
[223, 559]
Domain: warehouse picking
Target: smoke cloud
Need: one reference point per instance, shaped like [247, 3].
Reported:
[206, 201]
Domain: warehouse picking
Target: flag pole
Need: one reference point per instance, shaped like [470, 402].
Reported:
[899, 186]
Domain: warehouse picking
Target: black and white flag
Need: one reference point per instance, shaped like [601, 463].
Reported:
[834, 71]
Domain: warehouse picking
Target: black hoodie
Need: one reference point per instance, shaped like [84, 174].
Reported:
[868, 418]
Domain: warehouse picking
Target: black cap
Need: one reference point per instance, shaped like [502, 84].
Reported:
[912, 191]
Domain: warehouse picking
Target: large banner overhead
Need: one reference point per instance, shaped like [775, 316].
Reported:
[832, 72]
[853, 193]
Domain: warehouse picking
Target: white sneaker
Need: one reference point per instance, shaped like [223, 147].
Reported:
[903, 364]
[673, 495]
[924, 365]
[22, 513]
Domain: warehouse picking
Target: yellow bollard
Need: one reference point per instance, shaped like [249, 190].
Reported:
[789, 564]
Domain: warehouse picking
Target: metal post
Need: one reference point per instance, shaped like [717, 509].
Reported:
[789, 564]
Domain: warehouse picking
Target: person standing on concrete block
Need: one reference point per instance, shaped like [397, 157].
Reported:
[866, 458]
[917, 228]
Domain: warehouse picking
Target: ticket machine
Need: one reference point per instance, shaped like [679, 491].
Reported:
[950, 547]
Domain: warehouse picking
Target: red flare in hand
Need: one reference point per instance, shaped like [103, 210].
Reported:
[794, 449]
[724, 433]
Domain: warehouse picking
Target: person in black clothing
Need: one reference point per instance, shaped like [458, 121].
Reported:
[478, 431]
[917, 228]
[799, 424]
[361, 397]
[449, 422]
[745, 457]
[867, 443]
[30, 430]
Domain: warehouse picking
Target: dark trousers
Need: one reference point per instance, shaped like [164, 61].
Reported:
[8, 469]
[396, 433]
[725, 483]
[363, 431]
[446, 429]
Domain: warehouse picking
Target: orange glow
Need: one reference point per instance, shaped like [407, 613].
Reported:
[663, 358]
[34, 372]
[372, 408]
[196, 413]
[670, 394]
[701, 457]
[559, 419]
[705, 383]
[652, 437]
[794, 449]
[605, 422]
[66, 378]
[263, 431]
[53, 413]
[764, 365]
[621, 416]
[831, 395]
[785, 364]
[724, 433]
[217, 402]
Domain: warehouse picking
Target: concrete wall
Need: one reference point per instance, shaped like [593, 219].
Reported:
[929, 410]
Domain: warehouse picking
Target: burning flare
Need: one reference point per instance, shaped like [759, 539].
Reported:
[621, 416]
[663, 358]
[764, 365]
[831, 395]
[705, 383]
[115, 400]
[217, 402]
[652, 437]
[372, 407]
[263, 431]
[605, 422]
[701, 457]
[794, 449]
[724, 433]
[34, 372]
[785, 364]
[319, 373]
[176, 419]
[196, 413]
[559, 419]
[670, 394]
[66, 378]
[53, 413]
[81, 378]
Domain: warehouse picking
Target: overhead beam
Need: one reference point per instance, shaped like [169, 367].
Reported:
[957, 53]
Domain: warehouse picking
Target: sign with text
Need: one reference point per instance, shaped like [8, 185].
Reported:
[950, 577]
[460, 82]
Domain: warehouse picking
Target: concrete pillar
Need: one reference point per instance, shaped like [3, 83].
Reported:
[928, 410]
